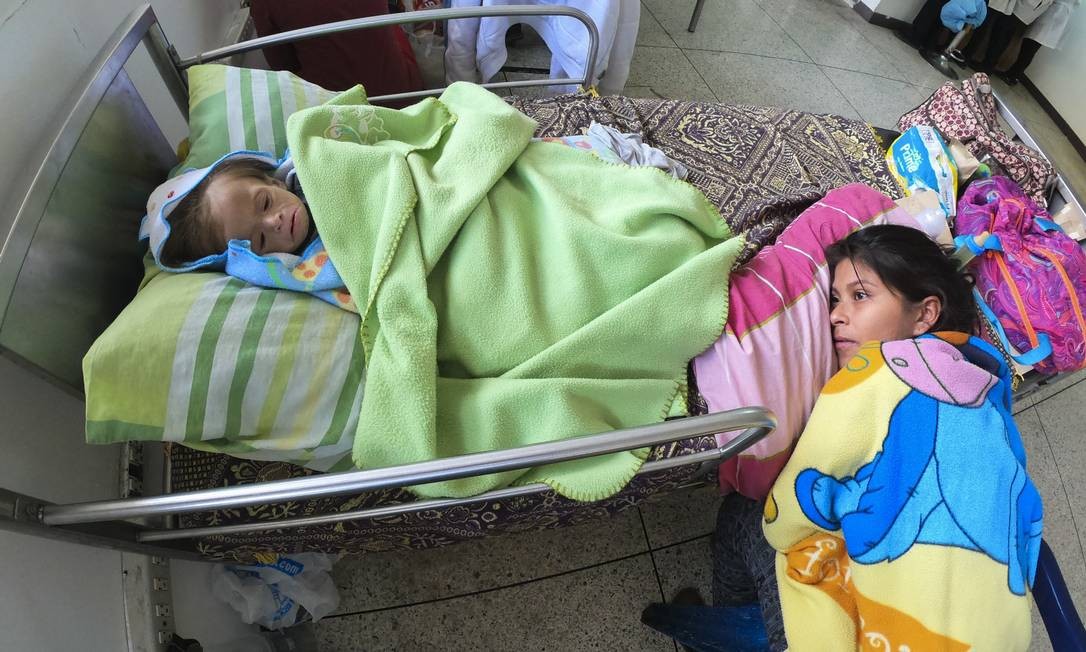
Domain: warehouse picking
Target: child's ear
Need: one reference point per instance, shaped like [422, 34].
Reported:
[930, 310]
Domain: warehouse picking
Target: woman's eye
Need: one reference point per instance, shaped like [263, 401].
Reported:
[859, 295]
[834, 301]
[263, 239]
[267, 202]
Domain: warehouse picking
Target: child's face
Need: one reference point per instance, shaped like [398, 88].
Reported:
[864, 309]
[270, 217]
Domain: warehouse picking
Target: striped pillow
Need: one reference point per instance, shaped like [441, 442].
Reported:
[205, 360]
[238, 108]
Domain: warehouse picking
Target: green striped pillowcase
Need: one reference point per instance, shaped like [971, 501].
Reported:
[207, 361]
[233, 108]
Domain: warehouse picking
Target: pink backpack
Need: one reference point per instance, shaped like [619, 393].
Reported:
[1030, 277]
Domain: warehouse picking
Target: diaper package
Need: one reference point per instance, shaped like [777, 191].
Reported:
[919, 159]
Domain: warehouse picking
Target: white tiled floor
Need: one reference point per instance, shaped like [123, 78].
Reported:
[584, 588]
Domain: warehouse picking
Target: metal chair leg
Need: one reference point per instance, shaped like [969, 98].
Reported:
[941, 60]
[696, 16]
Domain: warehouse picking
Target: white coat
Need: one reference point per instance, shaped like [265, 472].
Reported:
[1026, 10]
[1051, 27]
[475, 49]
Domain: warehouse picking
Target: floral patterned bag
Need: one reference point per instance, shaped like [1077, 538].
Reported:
[969, 114]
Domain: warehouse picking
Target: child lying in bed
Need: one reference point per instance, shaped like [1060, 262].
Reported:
[904, 518]
[246, 215]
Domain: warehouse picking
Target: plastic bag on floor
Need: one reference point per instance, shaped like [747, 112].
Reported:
[280, 591]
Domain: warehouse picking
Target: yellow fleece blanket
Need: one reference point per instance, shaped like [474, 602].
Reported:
[905, 519]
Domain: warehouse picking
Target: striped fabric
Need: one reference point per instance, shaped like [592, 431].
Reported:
[776, 349]
[239, 108]
[229, 368]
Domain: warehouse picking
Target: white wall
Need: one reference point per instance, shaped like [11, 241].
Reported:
[58, 596]
[904, 10]
[1060, 74]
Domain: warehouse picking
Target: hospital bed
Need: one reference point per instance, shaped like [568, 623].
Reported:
[91, 188]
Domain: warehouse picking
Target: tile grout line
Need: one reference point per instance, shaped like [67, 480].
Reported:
[784, 31]
[492, 589]
[657, 21]
[686, 49]
[746, 54]
[808, 55]
[700, 76]
[838, 89]
[1055, 394]
[1063, 485]
[570, 571]
[681, 543]
[809, 63]
[652, 556]
[696, 72]
[879, 50]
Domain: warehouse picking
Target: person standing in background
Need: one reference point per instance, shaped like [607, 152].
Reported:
[380, 58]
[1008, 18]
[1049, 30]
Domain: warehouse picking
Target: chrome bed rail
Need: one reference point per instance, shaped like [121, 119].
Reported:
[109, 522]
[1060, 191]
[1059, 194]
[585, 81]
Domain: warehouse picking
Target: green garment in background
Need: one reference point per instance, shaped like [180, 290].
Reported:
[512, 292]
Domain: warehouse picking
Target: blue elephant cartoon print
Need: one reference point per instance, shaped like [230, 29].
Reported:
[950, 472]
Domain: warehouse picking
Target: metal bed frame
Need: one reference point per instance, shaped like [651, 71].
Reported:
[110, 153]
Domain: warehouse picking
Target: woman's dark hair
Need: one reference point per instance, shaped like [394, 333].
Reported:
[191, 236]
[912, 266]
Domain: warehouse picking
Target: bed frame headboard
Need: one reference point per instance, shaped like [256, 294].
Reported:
[71, 261]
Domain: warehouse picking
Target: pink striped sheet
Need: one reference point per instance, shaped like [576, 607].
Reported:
[776, 350]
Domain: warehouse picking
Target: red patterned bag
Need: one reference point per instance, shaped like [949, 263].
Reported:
[969, 114]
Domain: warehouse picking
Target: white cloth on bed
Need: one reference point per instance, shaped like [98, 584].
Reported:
[631, 150]
[475, 48]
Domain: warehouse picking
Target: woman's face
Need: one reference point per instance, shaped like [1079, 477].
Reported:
[863, 309]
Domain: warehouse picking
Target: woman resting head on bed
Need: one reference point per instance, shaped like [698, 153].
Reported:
[856, 541]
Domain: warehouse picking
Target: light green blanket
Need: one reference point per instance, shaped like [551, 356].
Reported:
[512, 292]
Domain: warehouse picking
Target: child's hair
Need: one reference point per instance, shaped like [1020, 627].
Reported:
[912, 266]
[191, 233]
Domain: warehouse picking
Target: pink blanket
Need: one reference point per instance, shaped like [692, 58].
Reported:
[776, 350]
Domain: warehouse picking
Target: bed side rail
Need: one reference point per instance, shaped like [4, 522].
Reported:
[110, 521]
[1059, 194]
[439, 470]
[1060, 189]
[586, 80]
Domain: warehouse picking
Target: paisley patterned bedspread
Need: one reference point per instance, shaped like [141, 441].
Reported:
[760, 166]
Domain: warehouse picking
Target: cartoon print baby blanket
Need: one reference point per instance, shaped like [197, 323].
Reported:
[905, 518]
